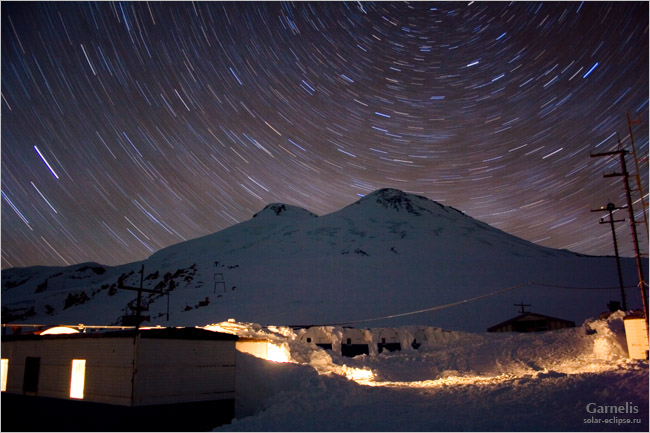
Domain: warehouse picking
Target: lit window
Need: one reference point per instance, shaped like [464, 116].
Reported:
[77, 378]
[4, 367]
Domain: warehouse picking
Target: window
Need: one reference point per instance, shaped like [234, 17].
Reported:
[4, 366]
[32, 370]
[77, 378]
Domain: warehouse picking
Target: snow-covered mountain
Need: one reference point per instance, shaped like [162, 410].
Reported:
[386, 254]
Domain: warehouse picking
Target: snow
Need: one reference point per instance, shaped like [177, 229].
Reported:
[397, 266]
[455, 381]
[387, 254]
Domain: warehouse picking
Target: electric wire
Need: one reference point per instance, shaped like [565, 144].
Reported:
[389, 316]
[475, 298]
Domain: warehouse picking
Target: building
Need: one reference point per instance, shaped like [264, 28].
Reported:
[318, 335]
[167, 379]
[355, 342]
[636, 335]
[388, 339]
[531, 322]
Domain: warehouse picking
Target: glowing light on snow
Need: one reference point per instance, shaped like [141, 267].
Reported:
[362, 376]
[277, 353]
[446, 381]
[274, 352]
[230, 327]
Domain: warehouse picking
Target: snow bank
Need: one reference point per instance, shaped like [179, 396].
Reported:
[453, 381]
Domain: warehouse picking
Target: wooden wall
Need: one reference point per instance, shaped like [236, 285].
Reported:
[168, 370]
[109, 367]
[175, 371]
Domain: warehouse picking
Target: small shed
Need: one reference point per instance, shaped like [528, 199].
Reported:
[317, 335]
[531, 322]
[355, 342]
[136, 380]
[636, 335]
[388, 339]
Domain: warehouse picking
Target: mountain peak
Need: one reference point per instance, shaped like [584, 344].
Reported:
[281, 209]
[398, 200]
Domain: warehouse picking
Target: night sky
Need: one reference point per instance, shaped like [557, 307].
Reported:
[128, 127]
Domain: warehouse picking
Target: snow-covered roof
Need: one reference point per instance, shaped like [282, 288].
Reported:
[188, 333]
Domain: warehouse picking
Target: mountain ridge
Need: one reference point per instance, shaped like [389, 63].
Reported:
[386, 253]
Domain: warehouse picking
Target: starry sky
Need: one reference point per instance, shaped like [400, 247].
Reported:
[128, 127]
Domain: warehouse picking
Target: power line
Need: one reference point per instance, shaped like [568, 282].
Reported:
[390, 316]
[475, 298]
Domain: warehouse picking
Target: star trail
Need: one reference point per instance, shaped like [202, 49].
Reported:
[131, 126]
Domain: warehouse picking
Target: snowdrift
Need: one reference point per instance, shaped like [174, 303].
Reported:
[455, 381]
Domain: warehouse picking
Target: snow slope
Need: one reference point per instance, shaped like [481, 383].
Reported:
[455, 381]
[386, 254]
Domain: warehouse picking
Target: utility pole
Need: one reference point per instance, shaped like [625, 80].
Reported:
[635, 239]
[611, 207]
[636, 162]
[138, 307]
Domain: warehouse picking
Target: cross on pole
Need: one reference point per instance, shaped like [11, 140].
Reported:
[522, 305]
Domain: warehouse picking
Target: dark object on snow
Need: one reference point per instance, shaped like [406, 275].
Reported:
[75, 299]
[613, 306]
[204, 303]
[531, 322]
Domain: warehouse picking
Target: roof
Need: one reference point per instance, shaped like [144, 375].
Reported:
[528, 315]
[158, 333]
